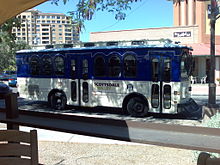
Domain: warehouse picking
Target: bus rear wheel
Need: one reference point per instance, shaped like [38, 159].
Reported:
[137, 107]
[58, 100]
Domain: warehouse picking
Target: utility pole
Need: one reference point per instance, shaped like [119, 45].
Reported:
[212, 85]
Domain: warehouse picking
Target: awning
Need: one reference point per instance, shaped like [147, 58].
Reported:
[11, 8]
[201, 49]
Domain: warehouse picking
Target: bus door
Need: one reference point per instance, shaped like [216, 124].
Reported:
[79, 79]
[161, 83]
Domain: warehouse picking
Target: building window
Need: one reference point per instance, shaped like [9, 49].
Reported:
[45, 38]
[67, 34]
[68, 38]
[45, 42]
[45, 29]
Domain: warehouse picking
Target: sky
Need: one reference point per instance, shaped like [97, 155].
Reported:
[143, 14]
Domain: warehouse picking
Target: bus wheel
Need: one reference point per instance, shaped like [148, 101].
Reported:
[137, 107]
[58, 100]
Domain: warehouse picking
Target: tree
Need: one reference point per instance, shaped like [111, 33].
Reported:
[8, 46]
[86, 9]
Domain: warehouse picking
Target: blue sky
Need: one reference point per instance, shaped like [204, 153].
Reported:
[143, 14]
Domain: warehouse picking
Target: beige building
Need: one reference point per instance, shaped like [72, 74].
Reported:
[40, 29]
[191, 28]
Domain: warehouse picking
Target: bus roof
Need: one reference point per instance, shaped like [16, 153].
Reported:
[159, 46]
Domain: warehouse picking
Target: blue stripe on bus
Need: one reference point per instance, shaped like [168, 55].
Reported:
[144, 65]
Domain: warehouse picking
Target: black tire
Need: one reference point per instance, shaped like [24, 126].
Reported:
[58, 101]
[137, 107]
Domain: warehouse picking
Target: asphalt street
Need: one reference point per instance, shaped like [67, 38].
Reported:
[46, 135]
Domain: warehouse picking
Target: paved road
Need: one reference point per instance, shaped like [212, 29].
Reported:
[46, 135]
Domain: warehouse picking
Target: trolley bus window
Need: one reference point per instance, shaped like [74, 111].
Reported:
[155, 96]
[184, 65]
[34, 65]
[73, 91]
[85, 69]
[85, 92]
[114, 67]
[167, 96]
[129, 66]
[99, 67]
[59, 66]
[155, 69]
[73, 69]
[167, 70]
[47, 65]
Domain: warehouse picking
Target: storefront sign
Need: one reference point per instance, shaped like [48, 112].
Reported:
[182, 34]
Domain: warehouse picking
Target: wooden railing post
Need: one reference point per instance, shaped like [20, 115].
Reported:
[11, 106]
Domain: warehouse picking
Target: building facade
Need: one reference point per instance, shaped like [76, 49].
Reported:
[39, 29]
[191, 28]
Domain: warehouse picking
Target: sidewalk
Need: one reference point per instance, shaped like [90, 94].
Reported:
[203, 89]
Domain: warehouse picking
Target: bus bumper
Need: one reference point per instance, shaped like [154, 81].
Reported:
[190, 110]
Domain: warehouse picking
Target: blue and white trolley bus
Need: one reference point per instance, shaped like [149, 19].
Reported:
[137, 78]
